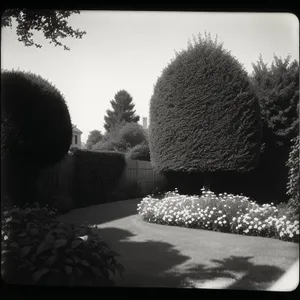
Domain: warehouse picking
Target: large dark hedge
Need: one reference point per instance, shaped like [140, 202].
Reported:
[203, 115]
[35, 120]
[96, 175]
[36, 131]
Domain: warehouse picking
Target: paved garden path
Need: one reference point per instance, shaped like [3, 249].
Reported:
[165, 256]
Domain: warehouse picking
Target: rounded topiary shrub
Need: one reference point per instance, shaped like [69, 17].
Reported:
[35, 120]
[36, 131]
[204, 116]
[139, 152]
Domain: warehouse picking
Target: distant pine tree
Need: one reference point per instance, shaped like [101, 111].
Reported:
[122, 110]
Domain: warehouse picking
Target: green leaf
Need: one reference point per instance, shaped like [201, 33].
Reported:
[49, 238]
[14, 244]
[23, 234]
[85, 263]
[76, 259]
[76, 243]
[68, 270]
[60, 243]
[51, 260]
[111, 253]
[84, 238]
[82, 231]
[33, 258]
[79, 272]
[26, 264]
[25, 250]
[38, 274]
[120, 269]
[43, 247]
[69, 261]
[34, 232]
[96, 271]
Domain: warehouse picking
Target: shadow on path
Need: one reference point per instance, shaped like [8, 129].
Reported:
[102, 213]
[158, 264]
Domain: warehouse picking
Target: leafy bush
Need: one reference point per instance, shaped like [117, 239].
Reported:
[36, 131]
[204, 116]
[104, 146]
[224, 213]
[37, 249]
[96, 175]
[139, 152]
[293, 186]
[132, 134]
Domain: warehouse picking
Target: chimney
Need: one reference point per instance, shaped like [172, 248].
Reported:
[145, 123]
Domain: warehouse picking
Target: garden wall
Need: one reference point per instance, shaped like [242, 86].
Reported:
[142, 173]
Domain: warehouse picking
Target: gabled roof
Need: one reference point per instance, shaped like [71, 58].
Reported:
[75, 129]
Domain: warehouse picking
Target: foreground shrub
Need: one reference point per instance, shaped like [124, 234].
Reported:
[293, 186]
[224, 213]
[37, 249]
[204, 116]
[96, 175]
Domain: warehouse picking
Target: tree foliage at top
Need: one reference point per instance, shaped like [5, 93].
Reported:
[94, 137]
[277, 88]
[122, 110]
[52, 23]
[132, 134]
[122, 137]
[204, 117]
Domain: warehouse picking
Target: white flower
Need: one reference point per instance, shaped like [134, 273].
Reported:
[259, 228]
[234, 218]
[215, 221]
[250, 227]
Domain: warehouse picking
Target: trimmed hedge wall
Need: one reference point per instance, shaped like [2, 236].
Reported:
[204, 117]
[96, 175]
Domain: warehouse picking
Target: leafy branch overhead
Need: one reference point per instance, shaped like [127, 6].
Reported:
[52, 23]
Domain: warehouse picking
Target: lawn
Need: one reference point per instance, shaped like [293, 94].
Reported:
[165, 256]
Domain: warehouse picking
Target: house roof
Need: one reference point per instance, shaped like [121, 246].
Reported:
[75, 129]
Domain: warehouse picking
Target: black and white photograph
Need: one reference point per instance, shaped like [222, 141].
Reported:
[150, 149]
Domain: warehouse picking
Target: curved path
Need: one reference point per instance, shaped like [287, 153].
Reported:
[165, 256]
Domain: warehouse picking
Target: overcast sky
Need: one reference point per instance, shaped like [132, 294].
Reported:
[128, 50]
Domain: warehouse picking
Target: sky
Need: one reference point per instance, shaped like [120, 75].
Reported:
[128, 50]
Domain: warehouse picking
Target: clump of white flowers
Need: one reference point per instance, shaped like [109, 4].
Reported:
[223, 212]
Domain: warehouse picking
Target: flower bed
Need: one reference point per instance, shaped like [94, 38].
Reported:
[223, 212]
